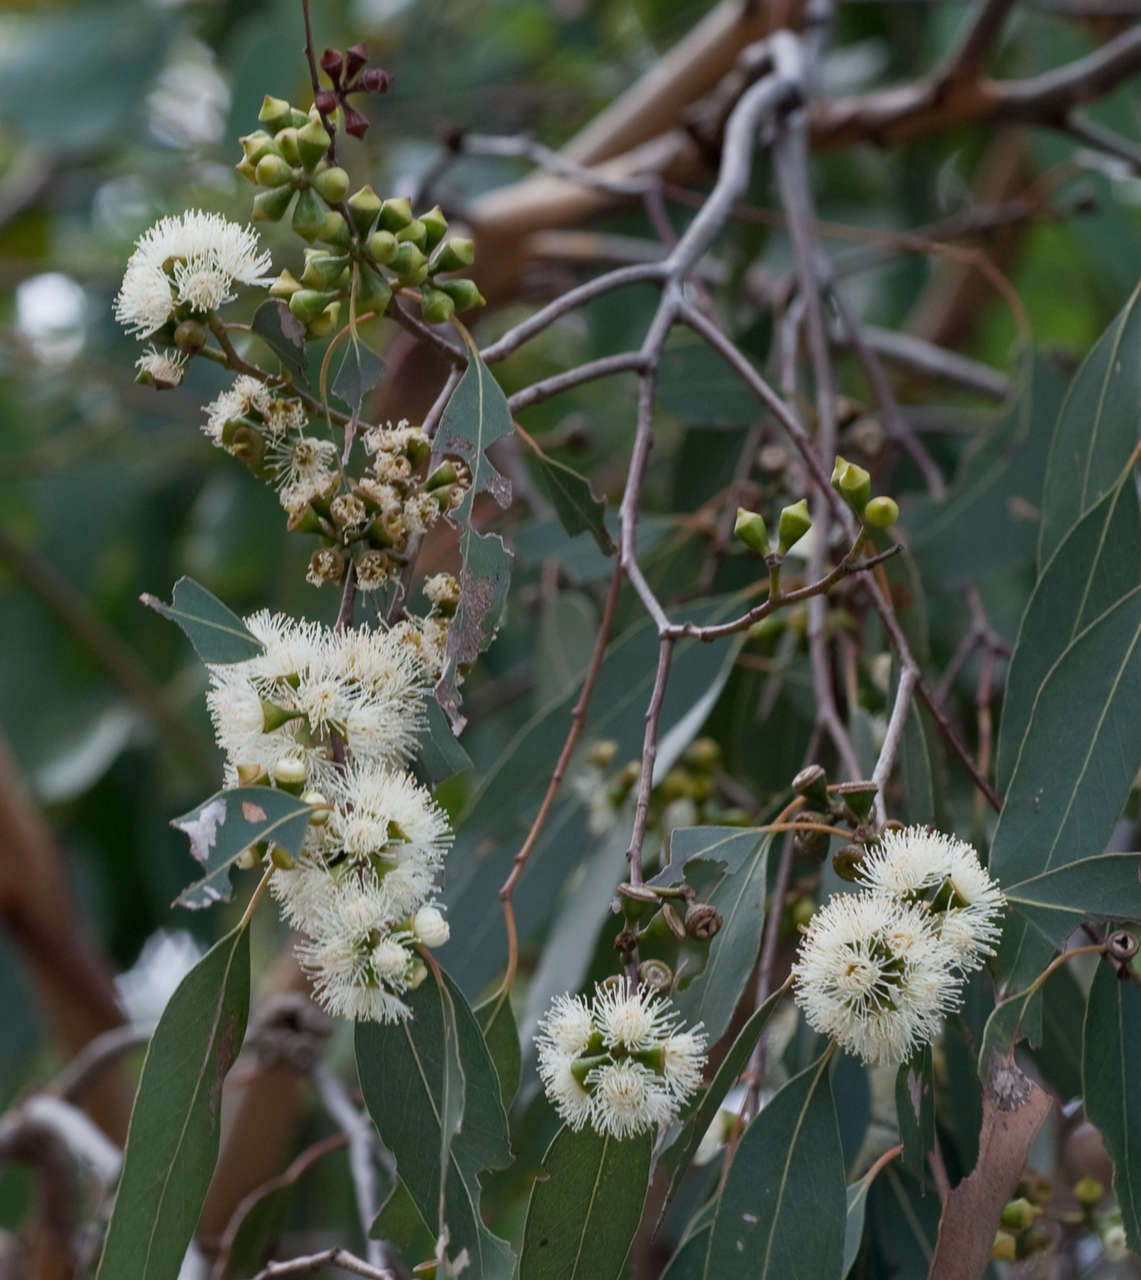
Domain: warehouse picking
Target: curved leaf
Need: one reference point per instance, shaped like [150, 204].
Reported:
[1111, 1085]
[172, 1145]
[217, 633]
[1079, 756]
[915, 1109]
[585, 1207]
[431, 1088]
[497, 1021]
[1106, 886]
[284, 334]
[1097, 428]
[782, 1210]
[230, 822]
[1093, 568]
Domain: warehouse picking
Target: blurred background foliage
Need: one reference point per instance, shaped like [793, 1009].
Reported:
[114, 113]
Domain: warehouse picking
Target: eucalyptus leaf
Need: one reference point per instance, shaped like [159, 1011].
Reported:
[1079, 756]
[431, 1088]
[1106, 886]
[217, 633]
[441, 754]
[284, 334]
[1091, 569]
[575, 504]
[475, 417]
[172, 1145]
[915, 1109]
[497, 1021]
[585, 1206]
[358, 372]
[1111, 1085]
[782, 1209]
[1096, 430]
[230, 822]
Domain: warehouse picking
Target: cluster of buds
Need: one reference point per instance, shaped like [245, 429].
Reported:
[375, 516]
[362, 248]
[854, 484]
[349, 72]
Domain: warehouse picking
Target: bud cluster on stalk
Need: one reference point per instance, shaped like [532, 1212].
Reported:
[362, 248]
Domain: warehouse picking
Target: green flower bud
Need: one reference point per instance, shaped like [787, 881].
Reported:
[382, 246]
[794, 523]
[246, 169]
[322, 270]
[435, 305]
[272, 171]
[331, 184]
[307, 304]
[582, 1067]
[327, 321]
[463, 293]
[749, 527]
[858, 796]
[407, 261]
[273, 716]
[1005, 1247]
[1020, 1214]
[246, 859]
[852, 483]
[335, 230]
[258, 144]
[373, 292]
[270, 206]
[415, 233]
[435, 224]
[275, 113]
[289, 771]
[1088, 1191]
[444, 474]
[882, 513]
[252, 775]
[395, 214]
[287, 141]
[190, 337]
[364, 206]
[281, 858]
[454, 255]
[812, 783]
[308, 216]
[285, 286]
[313, 143]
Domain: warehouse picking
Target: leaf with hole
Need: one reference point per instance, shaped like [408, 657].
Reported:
[217, 633]
[284, 334]
[172, 1145]
[222, 828]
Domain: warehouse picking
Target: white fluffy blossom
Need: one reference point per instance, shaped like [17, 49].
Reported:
[430, 927]
[874, 974]
[190, 261]
[161, 369]
[619, 1063]
[922, 865]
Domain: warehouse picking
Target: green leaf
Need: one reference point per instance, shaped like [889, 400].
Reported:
[988, 522]
[359, 371]
[497, 1021]
[172, 1145]
[568, 628]
[781, 1212]
[284, 334]
[1092, 568]
[739, 894]
[1107, 886]
[485, 575]
[1013, 1019]
[854, 1223]
[700, 1112]
[585, 1207]
[222, 828]
[1111, 1085]
[915, 1109]
[1079, 756]
[694, 383]
[475, 417]
[440, 751]
[578, 509]
[1096, 431]
[217, 634]
[432, 1090]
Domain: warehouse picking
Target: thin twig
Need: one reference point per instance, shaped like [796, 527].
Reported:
[314, 1262]
[649, 755]
[893, 737]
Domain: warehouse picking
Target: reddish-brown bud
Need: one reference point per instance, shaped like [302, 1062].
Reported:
[356, 56]
[355, 123]
[332, 63]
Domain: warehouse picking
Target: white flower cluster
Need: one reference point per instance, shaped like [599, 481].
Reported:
[333, 716]
[620, 1063]
[185, 266]
[879, 970]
